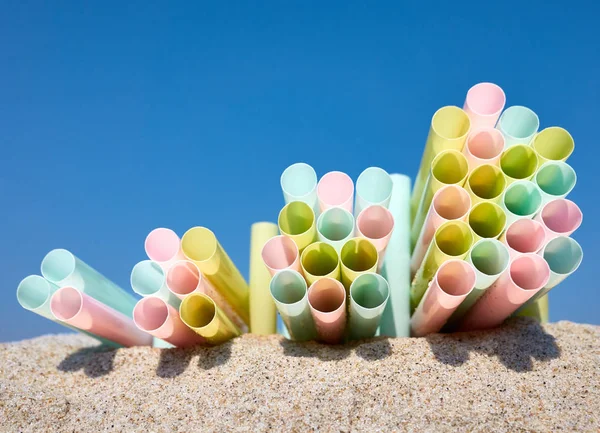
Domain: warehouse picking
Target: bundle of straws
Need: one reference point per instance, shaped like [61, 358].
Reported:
[485, 235]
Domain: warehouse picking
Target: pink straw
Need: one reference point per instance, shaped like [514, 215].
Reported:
[452, 283]
[376, 223]
[527, 275]
[164, 247]
[335, 189]
[483, 146]
[327, 302]
[157, 318]
[560, 217]
[524, 236]
[77, 309]
[484, 103]
[279, 253]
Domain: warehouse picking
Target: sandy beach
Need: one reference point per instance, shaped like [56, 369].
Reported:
[522, 377]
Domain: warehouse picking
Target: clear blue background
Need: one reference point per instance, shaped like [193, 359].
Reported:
[124, 116]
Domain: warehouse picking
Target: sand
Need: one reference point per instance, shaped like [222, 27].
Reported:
[521, 377]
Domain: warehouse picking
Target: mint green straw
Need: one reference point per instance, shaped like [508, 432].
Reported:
[369, 294]
[395, 321]
[335, 226]
[149, 279]
[62, 268]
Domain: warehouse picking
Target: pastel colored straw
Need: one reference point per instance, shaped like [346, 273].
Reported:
[521, 199]
[62, 268]
[335, 189]
[483, 146]
[280, 252]
[376, 223]
[490, 259]
[80, 310]
[200, 313]
[263, 314]
[486, 183]
[560, 217]
[553, 144]
[483, 104]
[320, 260]
[451, 202]
[487, 220]
[555, 179]
[299, 183]
[335, 226]
[327, 302]
[452, 240]
[518, 124]
[358, 256]
[289, 291]
[149, 279]
[453, 282]
[449, 128]
[449, 167]
[184, 277]
[527, 275]
[524, 236]
[518, 162]
[369, 294]
[161, 320]
[297, 221]
[396, 315]
[373, 186]
[200, 245]
[163, 246]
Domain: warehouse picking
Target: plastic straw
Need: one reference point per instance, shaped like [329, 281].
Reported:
[335, 226]
[483, 146]
[200, 313]
[148, 279]
[452, 240]
[521, 199]
[161, 320]
[299, 183]
[335, 189]
[486, 183]
[396, 315]
[490, 259]
[523, 236]
[560, 217]
[184, 277]
[290, 294]
[527, 274]
[449, 203]
[369, 294]
[163, 246]
[280, 252]
[449, 128]
[555, 179]
[64, 269]
[200, 245]
[77, 309]
[518, 124]
[518, 162]
[449, 167]
[376, 223]
[487, 220]
[297, 221]
[263, 314]
[484, 103]
[327, 302]
[553, 144]
[452, 283]
[320, 260]
[373, 186]
[358, 256]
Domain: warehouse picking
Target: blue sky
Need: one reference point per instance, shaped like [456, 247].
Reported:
[119, 117]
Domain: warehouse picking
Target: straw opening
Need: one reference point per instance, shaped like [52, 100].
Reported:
[556, 178]
[369, 290]
[451, 202]
[33, 292]
[486, 99]
[335, 224]
[298, 180]
[66, 303]
[453, 239]
[450, 167]
[162, 245]
[374, 184]
[519, 122]
[199, 244]
[147, 278]
[487, 220]
[183, 278]
[564, 255]
[296, 218]
[199, 311]
[522, 199]
[489, 257]
[455, 278]
[326, 295]
[562, 216]
[359, 255]
[335, 188]
[288, 287]
[58, 265]
[525, 236]
[487, 182]
[519, 162]
[528, 273]
[319, 259]
[485, 143]
[150, 314]
[554, 143]
[375, 222]
[451, 123]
